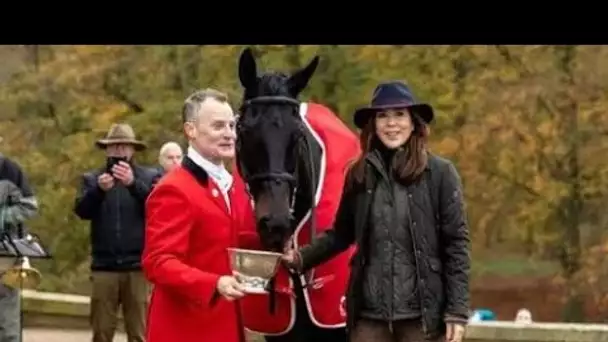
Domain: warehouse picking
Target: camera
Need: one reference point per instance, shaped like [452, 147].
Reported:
[111, 161]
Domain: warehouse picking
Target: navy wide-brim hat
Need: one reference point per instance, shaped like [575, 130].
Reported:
[393, 95]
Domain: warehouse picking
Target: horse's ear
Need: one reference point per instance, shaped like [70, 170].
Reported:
[298, 81]
[248, 72]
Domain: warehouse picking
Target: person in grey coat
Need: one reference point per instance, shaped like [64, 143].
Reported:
[17, 204]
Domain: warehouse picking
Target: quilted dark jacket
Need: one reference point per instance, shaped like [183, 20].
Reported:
[117, 218]
[440, 240]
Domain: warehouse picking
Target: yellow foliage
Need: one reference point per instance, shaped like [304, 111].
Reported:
[503, 116]
[109, 114]
[446, 146]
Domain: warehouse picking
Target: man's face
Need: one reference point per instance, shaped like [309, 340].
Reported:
[171, 158]
[120, 150]
[213, 134]
[523, 316]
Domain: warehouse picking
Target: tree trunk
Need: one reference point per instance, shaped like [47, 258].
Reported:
[571, 207]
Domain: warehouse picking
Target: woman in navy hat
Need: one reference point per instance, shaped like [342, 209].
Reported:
[403, 207]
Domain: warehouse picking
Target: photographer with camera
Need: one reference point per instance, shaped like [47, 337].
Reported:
[113, 199]
[17, 204]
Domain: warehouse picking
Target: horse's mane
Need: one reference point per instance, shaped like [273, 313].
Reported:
[270, 83]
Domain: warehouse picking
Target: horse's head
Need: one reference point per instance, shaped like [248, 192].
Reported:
[269, 140]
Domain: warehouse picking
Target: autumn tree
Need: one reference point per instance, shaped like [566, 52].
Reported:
[525, 126]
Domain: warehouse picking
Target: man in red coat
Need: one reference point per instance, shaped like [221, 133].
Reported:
[193, 215]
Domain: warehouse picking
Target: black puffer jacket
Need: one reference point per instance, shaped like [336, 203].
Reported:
[117, 219]
[440, 240]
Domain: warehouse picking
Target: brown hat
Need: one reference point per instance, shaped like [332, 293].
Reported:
[120, 134]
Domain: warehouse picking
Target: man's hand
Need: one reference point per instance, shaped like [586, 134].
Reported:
[230, 288]
[105, 181]
[454, 332]
[123, 172]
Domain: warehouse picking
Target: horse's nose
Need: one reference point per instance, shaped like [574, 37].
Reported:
[274, 230]
[276, 224]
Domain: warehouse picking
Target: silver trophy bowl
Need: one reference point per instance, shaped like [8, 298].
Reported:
[253, 268]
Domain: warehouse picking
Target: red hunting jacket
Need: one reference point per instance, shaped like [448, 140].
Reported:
[188, 229]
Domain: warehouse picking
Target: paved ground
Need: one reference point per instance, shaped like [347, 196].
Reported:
[53, 335]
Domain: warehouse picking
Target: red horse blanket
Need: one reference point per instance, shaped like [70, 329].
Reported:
[324, 297]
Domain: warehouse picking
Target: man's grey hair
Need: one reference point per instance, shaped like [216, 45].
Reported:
[166, 147]
[192, 105]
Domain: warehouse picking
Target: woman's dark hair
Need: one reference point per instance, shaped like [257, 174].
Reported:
[409, 161]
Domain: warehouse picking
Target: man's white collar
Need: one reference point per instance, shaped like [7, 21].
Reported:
[218, 173]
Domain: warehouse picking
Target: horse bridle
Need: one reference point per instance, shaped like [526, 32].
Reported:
[284, 175]
[280, 175]
[276, 176]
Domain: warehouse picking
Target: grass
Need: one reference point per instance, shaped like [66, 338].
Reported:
[513, 265]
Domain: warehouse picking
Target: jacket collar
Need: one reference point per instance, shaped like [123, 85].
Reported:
[218, 173]
[373, 157]
[198, 172]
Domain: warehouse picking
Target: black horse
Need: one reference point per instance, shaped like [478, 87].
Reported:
[279, 160]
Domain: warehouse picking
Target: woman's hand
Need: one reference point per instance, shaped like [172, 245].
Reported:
[454, 332]
[291, 257]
